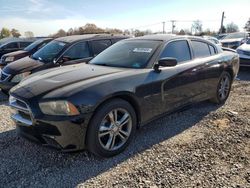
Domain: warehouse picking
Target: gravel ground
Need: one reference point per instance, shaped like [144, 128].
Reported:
[204, 146]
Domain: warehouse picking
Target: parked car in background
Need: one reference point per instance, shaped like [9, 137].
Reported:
[59, 52]
[234, 40]
[99, 105]
[29, 50]
[244, 53]
[13, 44]
[213, 39]
[220, 36]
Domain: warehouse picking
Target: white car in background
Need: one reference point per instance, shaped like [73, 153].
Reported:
[244, 53]
[213, 40]
[234, 40]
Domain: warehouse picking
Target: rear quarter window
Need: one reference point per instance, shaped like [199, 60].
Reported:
[212, 50]
[200, 49]
[24, 44]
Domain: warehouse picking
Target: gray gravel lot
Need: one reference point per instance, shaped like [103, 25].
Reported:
[204, 146]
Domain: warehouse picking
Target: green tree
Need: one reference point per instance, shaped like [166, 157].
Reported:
[29, 34]
[232, 27]
[197, 26]
[60, 33]
[181, 32]
[247, 26]
[5, 33]
[15, 33]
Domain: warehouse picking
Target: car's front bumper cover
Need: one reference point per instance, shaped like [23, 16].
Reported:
[65, 133]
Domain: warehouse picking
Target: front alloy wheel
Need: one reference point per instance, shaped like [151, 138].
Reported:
[115, 129]
[111, 128]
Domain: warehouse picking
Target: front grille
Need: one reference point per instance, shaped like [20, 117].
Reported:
[4, 76]
[246, 53]
[23, 115]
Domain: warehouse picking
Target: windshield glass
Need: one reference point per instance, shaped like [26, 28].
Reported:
[235, 36]
[248, 42]
[128, 54]
[33, 45]
[49, 52]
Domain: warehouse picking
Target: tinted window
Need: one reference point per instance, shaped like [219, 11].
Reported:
[33, 45]
[24, 44]
[177, 49]
[129, 54]
[200, 49]
[78, 51]
[100, 45]
[116, 40]
[12, 45]
[212, 50]
[49, 51]
[235, 35]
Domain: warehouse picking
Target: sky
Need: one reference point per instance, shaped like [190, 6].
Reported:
[44, 17]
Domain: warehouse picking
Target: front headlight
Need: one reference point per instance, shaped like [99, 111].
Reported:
[59, 108]
[9, 59]
[18, 78]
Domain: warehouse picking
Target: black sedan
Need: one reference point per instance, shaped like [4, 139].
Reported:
[59, 52]
[100, 105]
[29, 50]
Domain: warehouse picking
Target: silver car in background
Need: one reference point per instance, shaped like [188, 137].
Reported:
[244, 53]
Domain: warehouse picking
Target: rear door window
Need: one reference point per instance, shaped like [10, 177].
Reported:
[201, 49]
[12, 45]
[99, 45]
[78, 51]
[24, 44]
[177, 49]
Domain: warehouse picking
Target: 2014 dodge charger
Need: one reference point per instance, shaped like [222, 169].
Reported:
[100, 105]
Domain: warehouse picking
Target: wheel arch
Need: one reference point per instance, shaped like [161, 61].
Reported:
[126, 96]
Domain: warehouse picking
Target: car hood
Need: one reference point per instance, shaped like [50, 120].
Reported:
[16, 53]
[22, 65]
[245, 47]
[45, 81]
[231, 40]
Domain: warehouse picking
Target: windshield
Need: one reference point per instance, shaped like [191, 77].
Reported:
[33, 45]
[248, 42]
[49, 52]
[235, 36]
[128, 54]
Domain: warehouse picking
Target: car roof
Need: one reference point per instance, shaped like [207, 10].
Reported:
[166, 37]
[13, 39]
[75, 38]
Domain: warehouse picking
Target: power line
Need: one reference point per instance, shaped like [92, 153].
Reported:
[173, 23]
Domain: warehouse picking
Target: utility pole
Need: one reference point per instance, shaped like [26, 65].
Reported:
[222, 20]
[173, 25]
[163, 29]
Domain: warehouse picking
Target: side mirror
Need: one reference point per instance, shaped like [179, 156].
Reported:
[63, 59]
[165, 62]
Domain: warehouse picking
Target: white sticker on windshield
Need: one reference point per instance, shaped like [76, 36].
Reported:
[142, 50]
[61, 44]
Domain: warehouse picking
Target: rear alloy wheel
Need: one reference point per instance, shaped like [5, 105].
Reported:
[111, 128]
[223, 88]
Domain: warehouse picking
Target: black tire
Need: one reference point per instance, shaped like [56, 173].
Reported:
[95, 143]
[218, 99]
